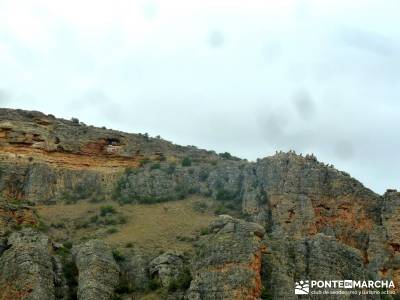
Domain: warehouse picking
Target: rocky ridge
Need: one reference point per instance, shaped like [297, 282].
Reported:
[305, 219]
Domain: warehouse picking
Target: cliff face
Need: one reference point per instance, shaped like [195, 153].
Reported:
[228, 261]
[319, 222]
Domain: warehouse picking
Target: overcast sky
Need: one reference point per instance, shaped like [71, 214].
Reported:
[247, 77]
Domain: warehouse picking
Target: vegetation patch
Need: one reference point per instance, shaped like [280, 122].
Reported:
[186, 162]
[107, 210]
[152, 227]
[227, 195]
[228, 156]
[118, 256]
[182, 282]
[155, 166]
[171, 169]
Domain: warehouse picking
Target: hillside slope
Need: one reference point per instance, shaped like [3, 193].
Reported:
[77, 183]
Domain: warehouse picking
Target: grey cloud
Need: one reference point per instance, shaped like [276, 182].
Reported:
[368, 41]
[216, 39]
[274, 124]
[304, 105]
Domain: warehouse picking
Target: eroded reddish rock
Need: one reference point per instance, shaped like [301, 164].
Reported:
[228, 261]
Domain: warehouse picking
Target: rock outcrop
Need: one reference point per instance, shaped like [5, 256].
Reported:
[26, 267]
[228, 261]
[13, 216]
[135, 274]
[390, 268]
[318, 257]
[98, 271]
[167, 267]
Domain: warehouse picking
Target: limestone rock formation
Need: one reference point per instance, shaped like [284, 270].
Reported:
[318, 257]
[167, 267]
[26, 267]
[391, 224]
[13, 216]
[228, 261]
[135, 274]
[98, 271]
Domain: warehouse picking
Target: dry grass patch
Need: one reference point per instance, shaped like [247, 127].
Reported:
[150, 227]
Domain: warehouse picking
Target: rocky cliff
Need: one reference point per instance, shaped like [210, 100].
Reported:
[294, 218]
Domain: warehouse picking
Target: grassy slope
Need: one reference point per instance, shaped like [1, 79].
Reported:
[153, 228]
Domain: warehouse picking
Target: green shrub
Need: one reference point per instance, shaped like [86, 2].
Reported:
[155, 166]
[226, 195]
[70, 272]
[129, 245]
[171, 169]
[112, 230]
[186, 162]
[149, 199]
[173, 286]
[182, 282]
[107, 209]
[118, 256]
[205, 231]
[154, 284]
[67, 244]
[225, 155]
[62, 251]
